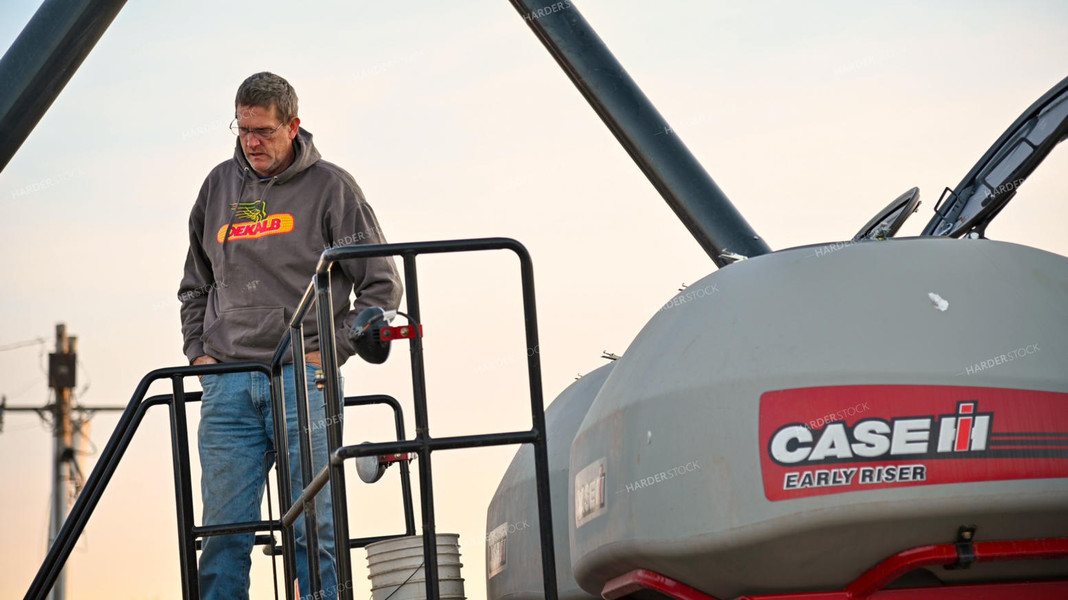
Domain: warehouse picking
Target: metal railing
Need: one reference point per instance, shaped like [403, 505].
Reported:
[319, 294]
[113, 452]
[189, 534]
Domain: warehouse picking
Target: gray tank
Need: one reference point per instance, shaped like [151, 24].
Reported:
[791, 420]
[513, 552]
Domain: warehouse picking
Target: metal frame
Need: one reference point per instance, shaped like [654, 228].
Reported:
[109, 459]
[642, 583]
[319, 293]
[422, 445]
[189, 534]
[405, 471]
[405, 477]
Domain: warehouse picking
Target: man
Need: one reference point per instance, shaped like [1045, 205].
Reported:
[255, 235]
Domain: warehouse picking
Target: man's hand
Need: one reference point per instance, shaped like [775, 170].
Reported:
[204, 360]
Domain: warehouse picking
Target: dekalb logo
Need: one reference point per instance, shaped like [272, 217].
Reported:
[258, 223]
[878, 439]
[272, 225]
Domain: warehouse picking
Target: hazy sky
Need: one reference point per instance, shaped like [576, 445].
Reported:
[457, 123]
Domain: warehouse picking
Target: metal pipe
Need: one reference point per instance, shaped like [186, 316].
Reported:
[422, 431]
[42, 60]
[269, 550]
[423, 444]
[657, 150]
[232, 528]
[339, 253]
[311, 489]
[405, 474]
[311, 521]
[322, 477]
[455, 442]
[282, 468]
[537, 417]
[305, 304]
[109, 458]
[366, 541]
[324, 308]
[183, 492]
[263, 539]
[90, 496]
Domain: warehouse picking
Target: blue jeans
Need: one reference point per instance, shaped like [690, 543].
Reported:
[235, 433]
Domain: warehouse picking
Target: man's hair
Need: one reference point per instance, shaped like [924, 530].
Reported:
[266, 90]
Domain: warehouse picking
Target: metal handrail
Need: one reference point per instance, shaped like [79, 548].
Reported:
[113, 452]
[405, 471]
[319, 293]
[322, 476]
[188, 534]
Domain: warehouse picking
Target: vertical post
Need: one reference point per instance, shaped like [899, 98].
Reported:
[405, 475]
[324, 308]
[61, 379]
[282, 469]
[183, 490]
[311, 521]
[537, 416]
[422, 432]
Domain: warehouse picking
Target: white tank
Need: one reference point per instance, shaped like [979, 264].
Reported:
[513, 551]
[791, 420]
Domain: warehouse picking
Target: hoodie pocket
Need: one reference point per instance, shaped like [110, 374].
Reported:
[246, 333]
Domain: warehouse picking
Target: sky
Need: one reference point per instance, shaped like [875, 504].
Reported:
[457, 123]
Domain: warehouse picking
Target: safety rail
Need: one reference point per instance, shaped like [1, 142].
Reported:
[319, 293]
[406, 486]
[189, 535]
[113, 452]
[405, 473]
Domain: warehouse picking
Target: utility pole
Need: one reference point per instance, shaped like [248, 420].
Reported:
[61, 378]
[70, 424]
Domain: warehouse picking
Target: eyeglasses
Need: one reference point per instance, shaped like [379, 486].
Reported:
[261, 134]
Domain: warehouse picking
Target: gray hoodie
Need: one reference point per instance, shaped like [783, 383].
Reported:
[253, 247]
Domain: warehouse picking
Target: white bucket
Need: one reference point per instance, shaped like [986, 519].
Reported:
[396, 568]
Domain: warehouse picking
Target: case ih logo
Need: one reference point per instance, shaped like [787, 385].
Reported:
[986, 434]
[875, 439]
[966, 431]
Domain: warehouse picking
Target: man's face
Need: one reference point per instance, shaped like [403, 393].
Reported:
[268, 154]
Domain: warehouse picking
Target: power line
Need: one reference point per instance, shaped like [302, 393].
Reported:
[33, 342]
